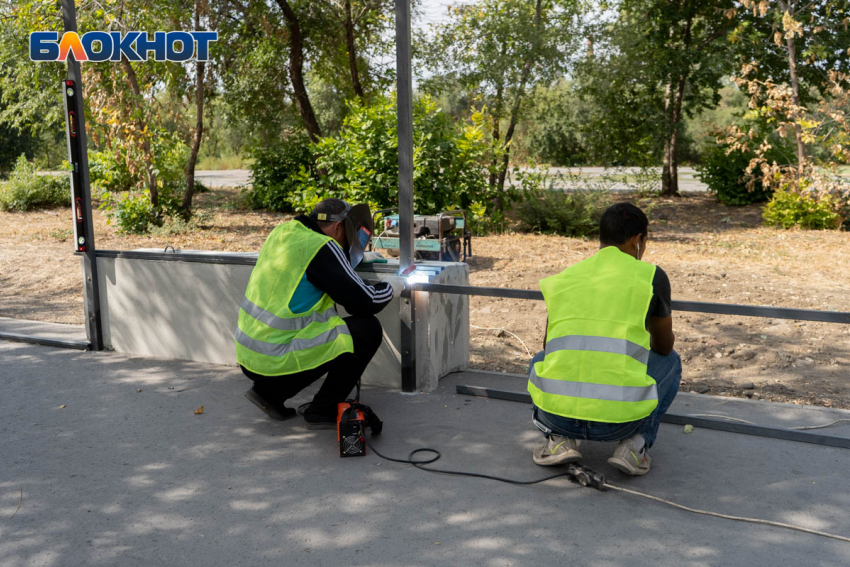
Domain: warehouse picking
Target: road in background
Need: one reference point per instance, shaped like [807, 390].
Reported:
[619, 179]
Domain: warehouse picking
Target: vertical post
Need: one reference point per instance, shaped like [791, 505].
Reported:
[404, 100]
[75, 123]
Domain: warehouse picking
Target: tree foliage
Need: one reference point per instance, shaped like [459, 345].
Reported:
[498, 51]
[360, 164]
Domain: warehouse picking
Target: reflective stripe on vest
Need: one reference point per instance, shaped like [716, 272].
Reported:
[281, 324]
[594, 391]
[597, 353]
[271, 339]
[599, 344]
[275, 349]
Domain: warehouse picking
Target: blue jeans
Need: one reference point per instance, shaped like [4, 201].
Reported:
[666, 370]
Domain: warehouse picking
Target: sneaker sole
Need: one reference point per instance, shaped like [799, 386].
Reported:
[255, 399]
[552, 460]
[625, 467]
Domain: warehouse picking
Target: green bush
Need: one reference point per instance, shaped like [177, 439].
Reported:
[788, 209]
[278, 171]
[564, 213]
[108, 172]
[723, 174]
[360, 164]
[170, 156]
[26, 190]
[133, 213]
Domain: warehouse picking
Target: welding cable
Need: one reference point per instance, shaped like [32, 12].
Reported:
[830, 424]
[505, 330]
[419, 465]
[727, 516]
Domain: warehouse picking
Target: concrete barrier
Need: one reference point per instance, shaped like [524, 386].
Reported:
[188, 311]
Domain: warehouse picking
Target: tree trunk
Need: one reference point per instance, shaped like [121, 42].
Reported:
[670, 171]
[670, 167]
[526, 73]
[508, 137]
[200, 67]
[496, 135]
[352, 53]
[795, 97]
[296, 72]
[133, 81]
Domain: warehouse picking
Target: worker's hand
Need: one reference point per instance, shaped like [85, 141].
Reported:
[373, 258]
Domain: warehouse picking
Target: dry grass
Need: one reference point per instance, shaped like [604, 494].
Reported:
[711, 253]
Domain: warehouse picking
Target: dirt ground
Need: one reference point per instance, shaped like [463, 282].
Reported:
[711, 253]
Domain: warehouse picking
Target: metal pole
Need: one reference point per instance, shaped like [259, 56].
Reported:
[407, 312]
[404, 100]
[80, 189]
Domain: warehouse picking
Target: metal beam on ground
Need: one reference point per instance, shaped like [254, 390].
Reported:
[677, 419]
[75, 121]
[42, 341]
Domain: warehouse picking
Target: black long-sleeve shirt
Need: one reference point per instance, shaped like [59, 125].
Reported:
[331, 272]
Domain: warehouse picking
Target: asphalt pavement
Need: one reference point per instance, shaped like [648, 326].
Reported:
[104, 461]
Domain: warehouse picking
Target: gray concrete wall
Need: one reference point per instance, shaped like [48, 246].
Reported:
[189, 310]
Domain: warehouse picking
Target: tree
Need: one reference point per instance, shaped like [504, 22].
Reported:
[796, 43]
[332, 43]
[499, 50]
[136, 110]
[671, 57]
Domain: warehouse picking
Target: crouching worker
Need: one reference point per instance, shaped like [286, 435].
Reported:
[608, 371]
[290, 334]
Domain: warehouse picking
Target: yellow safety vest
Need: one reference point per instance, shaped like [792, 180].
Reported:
[597, 345]
[272, 340]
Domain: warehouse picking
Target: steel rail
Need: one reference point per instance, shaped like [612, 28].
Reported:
[58, 343]
[692, 306]
[678, 419]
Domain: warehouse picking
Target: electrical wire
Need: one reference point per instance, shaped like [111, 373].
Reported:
[720, 416]
[419, 464]
[805, 428]
[727, 516]
[830, 424]
[506, 331]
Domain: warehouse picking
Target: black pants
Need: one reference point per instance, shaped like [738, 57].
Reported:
[343, 372]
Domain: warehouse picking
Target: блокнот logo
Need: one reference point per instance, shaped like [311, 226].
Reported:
[166, 46]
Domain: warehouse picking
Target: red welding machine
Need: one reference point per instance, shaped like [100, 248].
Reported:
[352, 419]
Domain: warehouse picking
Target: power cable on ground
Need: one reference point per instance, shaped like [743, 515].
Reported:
[505, 331]
[420, 465]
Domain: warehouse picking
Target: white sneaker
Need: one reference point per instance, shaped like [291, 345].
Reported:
[629, 459]
[557, 450]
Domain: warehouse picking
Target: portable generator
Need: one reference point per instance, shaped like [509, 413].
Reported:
[352, 420]
[443, 237]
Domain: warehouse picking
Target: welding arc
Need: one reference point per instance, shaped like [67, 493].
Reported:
[727, 516]
[419, 465]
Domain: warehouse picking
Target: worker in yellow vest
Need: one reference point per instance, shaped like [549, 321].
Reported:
[608, 371]
[289, 332]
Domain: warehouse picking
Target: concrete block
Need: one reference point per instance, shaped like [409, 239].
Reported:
[189, 311]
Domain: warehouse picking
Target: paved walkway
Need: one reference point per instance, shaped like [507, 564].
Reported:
[110, 475]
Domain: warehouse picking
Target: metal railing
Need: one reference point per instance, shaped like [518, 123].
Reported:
[692, 306]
